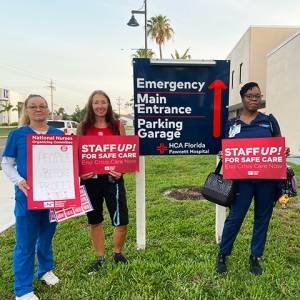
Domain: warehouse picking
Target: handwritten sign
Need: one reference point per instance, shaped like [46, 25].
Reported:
[258, 158]
[52, 164]
[58, 215]
[102, 154]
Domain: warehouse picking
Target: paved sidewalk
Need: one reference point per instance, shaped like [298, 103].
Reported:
[7, 203]
[294, 160]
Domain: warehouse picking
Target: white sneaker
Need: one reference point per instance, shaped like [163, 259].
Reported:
[28, 296]
[49, 278]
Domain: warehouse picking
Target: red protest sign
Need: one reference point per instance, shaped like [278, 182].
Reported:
[52, 164]
[255, 158]
[102, 154]
[57, 215]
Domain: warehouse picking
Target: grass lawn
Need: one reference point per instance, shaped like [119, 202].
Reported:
[180, 254]
[5, 131]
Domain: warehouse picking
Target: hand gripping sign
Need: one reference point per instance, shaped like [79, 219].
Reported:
[102, 154]
[255, 158]
[52, 164]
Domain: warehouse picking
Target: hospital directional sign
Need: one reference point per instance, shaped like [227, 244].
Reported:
[180, 107]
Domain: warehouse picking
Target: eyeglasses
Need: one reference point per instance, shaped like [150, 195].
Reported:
[251, 96]
[34, 108]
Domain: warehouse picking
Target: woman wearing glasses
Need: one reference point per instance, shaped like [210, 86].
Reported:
[250, 124]
[33, 229]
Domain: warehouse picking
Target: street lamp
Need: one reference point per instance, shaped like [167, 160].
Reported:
[133, 22]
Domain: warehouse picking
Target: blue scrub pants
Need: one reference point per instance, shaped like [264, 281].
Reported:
[264, 193]
[33, 232]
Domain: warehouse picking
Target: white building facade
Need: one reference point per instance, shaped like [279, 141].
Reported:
[15, 99]
[283, 89]
[248, 61]
[270, 56]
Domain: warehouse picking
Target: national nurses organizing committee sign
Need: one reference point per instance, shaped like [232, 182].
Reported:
[102, 154]
[180, 109]
[255, 158]
[52, 167]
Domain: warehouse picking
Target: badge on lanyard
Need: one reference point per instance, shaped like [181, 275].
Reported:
[233, 130]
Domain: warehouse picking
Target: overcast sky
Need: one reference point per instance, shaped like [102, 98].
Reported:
[86, 45]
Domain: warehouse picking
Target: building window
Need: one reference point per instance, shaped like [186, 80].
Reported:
[232, 78]
[241, 72]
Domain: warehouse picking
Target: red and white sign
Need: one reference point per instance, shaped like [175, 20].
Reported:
[102, 154]
[52, 164]
[58, 215]
[255, 158]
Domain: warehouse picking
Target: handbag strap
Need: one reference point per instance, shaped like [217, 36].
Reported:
[218, 168]
[271, 124]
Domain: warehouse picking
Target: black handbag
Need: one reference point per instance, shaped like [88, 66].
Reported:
[218, 190]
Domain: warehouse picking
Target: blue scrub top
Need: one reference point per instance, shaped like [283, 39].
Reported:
[259, 127]
[16, 146]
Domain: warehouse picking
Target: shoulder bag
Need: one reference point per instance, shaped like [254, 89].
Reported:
[218, 190]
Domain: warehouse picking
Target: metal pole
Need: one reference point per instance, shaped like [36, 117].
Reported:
[146, 48]
[51, 87]
[119, 104]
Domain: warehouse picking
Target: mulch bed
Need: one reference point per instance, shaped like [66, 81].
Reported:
[185, 194]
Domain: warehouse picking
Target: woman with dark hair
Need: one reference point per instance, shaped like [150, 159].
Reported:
[99, 121]
[250, 124]
[34, 232]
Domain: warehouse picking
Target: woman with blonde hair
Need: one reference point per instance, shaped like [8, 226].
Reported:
[34, 232]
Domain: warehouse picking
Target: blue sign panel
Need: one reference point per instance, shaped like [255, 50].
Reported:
[180, 109]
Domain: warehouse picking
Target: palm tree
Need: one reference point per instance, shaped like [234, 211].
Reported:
[62, 114]
[60, 111]
[130, 103]
[7, 107]
[159, 29]
[18, 108]
[140, 53]
[184, 56]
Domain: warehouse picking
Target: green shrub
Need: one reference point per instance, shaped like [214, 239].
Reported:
[4, 124]
[14, 124]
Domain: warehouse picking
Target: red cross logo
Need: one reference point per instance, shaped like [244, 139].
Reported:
[161, 148]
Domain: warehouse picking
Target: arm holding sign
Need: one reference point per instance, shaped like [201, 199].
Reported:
[250, 124]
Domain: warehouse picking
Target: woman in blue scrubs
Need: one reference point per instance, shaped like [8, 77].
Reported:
[34, 232]
[250, 124]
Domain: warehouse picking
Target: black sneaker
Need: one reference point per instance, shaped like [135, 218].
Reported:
[221, 264]
[118, 257]
[98, 264]
[255, 267]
